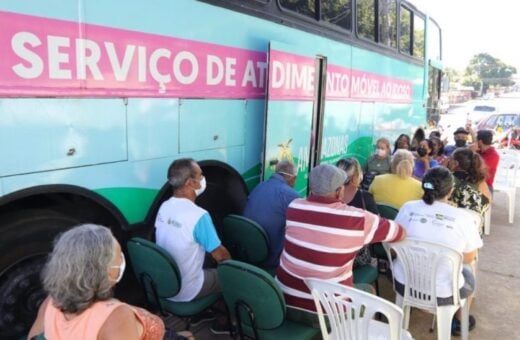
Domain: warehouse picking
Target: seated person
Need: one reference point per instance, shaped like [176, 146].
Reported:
[186, 231]
[267, 205]
[359, 198]
[399, 187]
[322, 238]
[470, 190]
[79, 276]
[378, 163]
[424, 159]
[434, 220]
[418, 136]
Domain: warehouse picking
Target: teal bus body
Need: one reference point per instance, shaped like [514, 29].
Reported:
[101, 96]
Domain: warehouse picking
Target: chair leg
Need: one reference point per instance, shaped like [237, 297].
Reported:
[432, 328]
[512, 200]
[444, 316]
[376, 284]
[465, 321]
[487, 222]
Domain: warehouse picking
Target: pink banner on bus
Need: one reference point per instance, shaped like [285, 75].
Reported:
[48, 57]
[292, 77]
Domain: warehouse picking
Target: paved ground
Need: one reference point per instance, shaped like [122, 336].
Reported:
[497, 304]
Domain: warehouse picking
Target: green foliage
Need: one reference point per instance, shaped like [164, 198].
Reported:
[486, 70]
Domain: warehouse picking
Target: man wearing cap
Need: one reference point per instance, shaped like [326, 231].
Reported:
[267, 205]
[460, 136]
[322, 238]
[488, 153]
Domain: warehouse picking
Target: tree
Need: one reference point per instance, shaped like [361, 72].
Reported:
[485, 70]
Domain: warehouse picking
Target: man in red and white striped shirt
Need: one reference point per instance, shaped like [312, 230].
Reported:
[322, 238]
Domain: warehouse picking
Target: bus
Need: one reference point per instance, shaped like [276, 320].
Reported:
[97, 98]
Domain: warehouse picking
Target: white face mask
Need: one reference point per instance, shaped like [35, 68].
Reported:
[121, 267]
[200, 190]
[381, 152]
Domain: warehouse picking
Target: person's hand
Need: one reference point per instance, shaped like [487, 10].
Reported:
[473, 147]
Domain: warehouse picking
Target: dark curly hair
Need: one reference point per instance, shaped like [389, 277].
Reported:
[396, 143]
[437, 183]
[471, 163]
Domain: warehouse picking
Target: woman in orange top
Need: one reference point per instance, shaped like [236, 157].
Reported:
[79, 276]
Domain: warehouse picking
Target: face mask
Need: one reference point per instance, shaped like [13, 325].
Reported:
[460, 143]
[200, 190]
[421, 152]
[121, 267]
[381, 152]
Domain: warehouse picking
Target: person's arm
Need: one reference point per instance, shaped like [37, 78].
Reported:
[121, 324]
[205, 234]
[484, 190]
[469, 257]
[220, 254]
[38, 325]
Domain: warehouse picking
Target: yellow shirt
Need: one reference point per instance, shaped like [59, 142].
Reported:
[394, 190]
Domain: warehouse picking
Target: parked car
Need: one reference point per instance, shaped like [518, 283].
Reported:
[480, 112]
[502, 125]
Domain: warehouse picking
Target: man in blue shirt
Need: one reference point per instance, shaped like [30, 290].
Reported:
[267, 205]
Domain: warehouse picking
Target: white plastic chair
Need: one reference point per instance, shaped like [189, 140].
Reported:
[351, 313]
[420, 261]
[505, 178]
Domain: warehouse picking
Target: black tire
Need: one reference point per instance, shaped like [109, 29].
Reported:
[26, 240]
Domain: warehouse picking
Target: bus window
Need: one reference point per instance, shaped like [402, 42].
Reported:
[388, 23]
[366, 19]
[418, 36]
[304, 7]
[337, 12]
[405, 32]
[434, 41]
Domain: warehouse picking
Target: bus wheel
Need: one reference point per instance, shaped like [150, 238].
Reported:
[26, 240]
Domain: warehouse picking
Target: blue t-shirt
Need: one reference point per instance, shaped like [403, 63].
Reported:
[267, 205]
[418, 169]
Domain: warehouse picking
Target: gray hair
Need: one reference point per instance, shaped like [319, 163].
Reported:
[180, 171]
[286, 167]
[402, 163]
[76, 273]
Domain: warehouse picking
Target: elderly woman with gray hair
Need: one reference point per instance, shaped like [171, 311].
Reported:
[79, 275]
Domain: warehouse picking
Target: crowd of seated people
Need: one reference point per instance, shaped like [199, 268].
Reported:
[317, 236]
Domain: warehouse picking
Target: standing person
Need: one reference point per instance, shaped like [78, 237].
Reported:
[378, 163]
[418, 136]
[267, 205]
[460, 136]
[470, 190]
[434, 220]
[488, 153]
[424, 160]
[186, 232]
[438, 151]
[402, 142]
[322, 238]
[398, 187]
[79, 276]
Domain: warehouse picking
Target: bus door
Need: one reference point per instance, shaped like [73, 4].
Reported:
[310, 117]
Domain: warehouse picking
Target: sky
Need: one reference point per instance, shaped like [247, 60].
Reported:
[470, 27]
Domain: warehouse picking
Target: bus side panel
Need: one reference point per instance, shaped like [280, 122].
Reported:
[47, 134]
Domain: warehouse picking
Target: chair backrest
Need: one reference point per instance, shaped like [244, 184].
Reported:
[246, 287]
[505, 178]
[245, 239]
[154, 266]
[421, 261]
[351, 311]
[387, 211]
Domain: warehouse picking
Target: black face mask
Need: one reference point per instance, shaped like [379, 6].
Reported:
[421, 152]
[460, 143]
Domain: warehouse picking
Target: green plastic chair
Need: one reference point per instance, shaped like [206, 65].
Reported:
[367, 274]
[258, 303]
[159, 276]
[246, 241]
[389, 212]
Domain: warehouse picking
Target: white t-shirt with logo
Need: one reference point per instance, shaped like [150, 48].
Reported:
[442, 224]
[186, 231]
